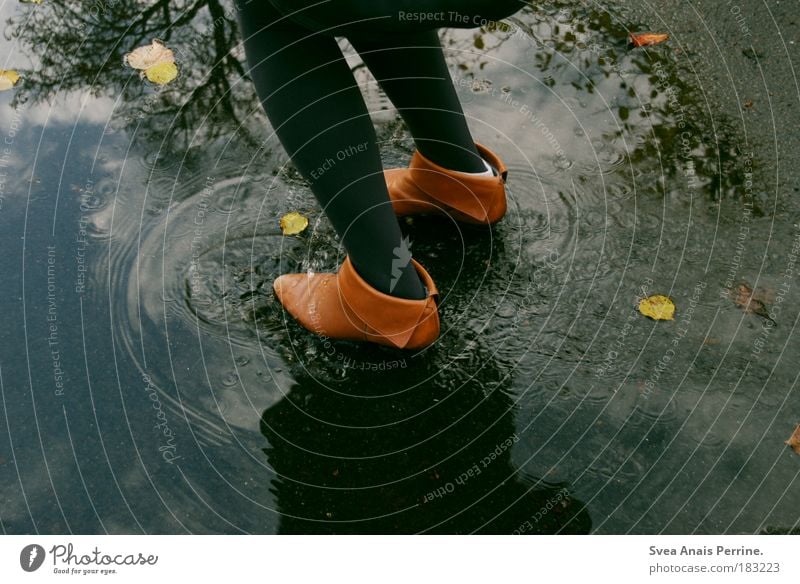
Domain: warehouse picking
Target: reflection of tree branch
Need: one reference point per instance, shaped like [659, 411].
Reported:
[82, 51]
[79, 51]
[358, 67]
[188, 15]
[145, 16]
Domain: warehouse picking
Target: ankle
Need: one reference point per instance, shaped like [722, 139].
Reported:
[407, 285]
[400, 282]
[454, 158]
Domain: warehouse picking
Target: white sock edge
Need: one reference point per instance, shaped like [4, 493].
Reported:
[488, 172]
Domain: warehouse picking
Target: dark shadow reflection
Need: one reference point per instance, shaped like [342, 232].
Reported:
[428, 460]
[399, 443]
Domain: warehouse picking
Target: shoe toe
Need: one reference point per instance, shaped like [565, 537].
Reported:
[289, 290]
[310, 298]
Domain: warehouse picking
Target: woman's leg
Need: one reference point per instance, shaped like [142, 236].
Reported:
[318, 112]
[397, 40]
[412, 72]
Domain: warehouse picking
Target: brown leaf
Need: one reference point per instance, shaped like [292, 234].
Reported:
[752, 302]
[742, 296]
[647, 39]
[794, 440]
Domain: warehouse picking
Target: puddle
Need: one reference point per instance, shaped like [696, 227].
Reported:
[548, 405]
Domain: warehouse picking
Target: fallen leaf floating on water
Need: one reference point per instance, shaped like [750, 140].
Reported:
[293, 223]
[155, 61]
[657, 307]
[752, 302]
[8, 79]
[794, 440]
[647, 39]
[162, 73]
[147, 56]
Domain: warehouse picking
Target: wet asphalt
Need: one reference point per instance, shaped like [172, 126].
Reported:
[746, 56]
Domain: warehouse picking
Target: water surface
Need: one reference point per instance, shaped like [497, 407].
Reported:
[151, 383]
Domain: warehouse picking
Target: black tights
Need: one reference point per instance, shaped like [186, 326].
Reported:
[319, 114]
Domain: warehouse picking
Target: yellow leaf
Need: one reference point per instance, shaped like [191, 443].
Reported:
[162, 73]
[8, 79]
[657, 307]
[149, 55]
[293, 223]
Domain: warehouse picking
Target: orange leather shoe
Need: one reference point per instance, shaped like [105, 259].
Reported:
[344, 306]
[426, 187]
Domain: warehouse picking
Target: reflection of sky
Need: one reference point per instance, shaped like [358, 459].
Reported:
[67, 108]
[515, 103]
[71, 108]
[13, 58]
